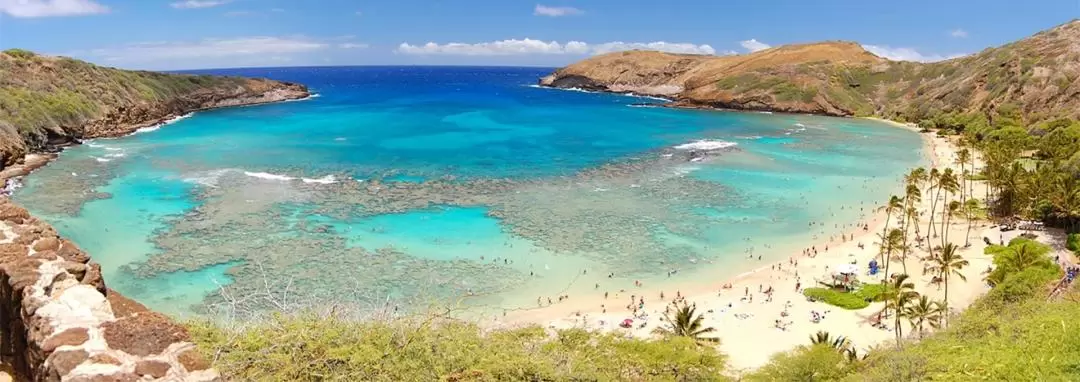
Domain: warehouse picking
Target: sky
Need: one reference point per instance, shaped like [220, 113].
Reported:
[199, 34]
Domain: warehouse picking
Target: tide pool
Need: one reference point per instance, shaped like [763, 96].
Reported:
[412, 186]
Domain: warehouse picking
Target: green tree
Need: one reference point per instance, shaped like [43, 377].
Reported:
[946, 264]
[839, 343]
[899, 294]
[923, 311]
[949, 185]
[687, 323]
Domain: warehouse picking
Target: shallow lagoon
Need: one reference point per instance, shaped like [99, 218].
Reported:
[407, 186]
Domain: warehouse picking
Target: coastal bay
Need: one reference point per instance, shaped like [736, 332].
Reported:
[500, 205]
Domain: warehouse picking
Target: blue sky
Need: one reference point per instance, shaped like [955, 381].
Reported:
[191, 34]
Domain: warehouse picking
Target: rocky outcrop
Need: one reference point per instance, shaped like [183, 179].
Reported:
[1039, 74]
[49, 102]
[58, 321]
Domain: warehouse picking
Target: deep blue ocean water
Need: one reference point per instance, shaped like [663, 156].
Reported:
[427, 184]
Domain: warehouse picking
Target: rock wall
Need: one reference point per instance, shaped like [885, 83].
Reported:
[59, 322]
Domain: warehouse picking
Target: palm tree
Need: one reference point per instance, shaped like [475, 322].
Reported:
[899, 294]
[1020, 256]
[895, 204]
[962, 157]
[912, 196]
[923, 311]
[948, 184]
[822, 337]
[687, 324]
[890, 245]
[946, 264]
[971, 208]
[932, 181]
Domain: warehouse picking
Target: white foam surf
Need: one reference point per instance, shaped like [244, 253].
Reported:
[329, 179]
[706, 144]
[267, 176]
[158, 126]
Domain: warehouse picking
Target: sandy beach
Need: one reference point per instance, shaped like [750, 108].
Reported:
[746, 318]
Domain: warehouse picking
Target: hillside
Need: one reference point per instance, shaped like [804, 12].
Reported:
[47, 102]
[1040, 74]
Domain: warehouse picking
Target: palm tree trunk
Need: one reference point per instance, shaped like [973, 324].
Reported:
[907, 222]
[930, 222]
[945, 303]
[944, 215]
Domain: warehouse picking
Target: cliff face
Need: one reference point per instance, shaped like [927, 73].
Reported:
[1041, 74]
[46, 102]
[58, 321]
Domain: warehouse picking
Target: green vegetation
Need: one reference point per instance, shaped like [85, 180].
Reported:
[872, 292]
[43, 96]
[688, 324]
[837, 298]
[1073, 242]
[311, 347]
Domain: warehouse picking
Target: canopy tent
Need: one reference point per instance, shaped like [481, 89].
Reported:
[847, 269]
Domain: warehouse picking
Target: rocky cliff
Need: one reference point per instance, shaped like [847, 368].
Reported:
[58, 321]
[47, 102]
[1040, 74]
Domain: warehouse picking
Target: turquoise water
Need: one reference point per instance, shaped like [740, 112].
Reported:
[427, 185]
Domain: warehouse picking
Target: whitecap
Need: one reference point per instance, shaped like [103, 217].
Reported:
[706, 144]
[109, 148]
[324, 180]
[102, 160]
[267, 176]
[599, 189]
[158, 126]
[799, 124]
[116, 155]
[339, 139]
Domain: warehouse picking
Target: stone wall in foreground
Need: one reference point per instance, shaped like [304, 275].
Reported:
[58, 321]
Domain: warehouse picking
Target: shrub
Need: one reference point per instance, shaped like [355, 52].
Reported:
[872, 292]
[1073, 242]
[310, 347]
[837, 298]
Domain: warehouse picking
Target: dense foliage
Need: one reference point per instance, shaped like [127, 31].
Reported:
[1013, 334]
[309, 348]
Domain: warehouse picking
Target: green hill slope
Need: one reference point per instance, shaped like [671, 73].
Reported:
[1039, 74]
[50, 101]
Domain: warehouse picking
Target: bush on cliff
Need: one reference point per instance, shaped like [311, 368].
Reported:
[311, 347]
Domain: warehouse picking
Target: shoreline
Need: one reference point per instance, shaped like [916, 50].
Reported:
[35, 160]
[729, 303]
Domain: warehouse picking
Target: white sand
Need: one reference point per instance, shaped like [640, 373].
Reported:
[748, 331]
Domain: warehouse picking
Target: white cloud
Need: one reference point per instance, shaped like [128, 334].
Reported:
[543, 10]
[352, 45]
[51, 8]
[659, 45]
[208, 48]
[958, 33]
[753, 45]
[906, 54]
[529, 46]
[495, 48]
[192, 4]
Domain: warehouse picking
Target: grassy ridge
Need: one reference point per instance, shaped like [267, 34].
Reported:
[45, 99]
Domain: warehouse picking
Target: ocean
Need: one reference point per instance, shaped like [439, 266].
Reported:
[409, 187]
